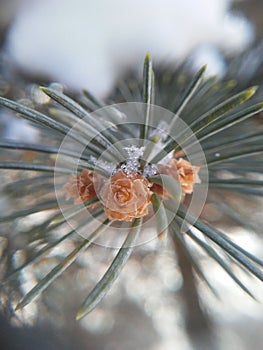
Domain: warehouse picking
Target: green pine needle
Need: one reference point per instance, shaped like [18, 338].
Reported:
[60, 268]
[112, 273]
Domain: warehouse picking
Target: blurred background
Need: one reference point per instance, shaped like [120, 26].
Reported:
[92, 44]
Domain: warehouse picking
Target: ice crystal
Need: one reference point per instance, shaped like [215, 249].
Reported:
[132, 164]
[102, 164]
[150, 170]
[161, 131]
[93, 160]
[134, 152]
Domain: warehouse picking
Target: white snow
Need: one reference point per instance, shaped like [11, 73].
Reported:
[89, 43]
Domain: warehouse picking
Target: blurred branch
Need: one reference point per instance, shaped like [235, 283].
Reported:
[197, 323]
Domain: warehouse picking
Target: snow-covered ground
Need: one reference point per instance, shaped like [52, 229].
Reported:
[89, 43]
